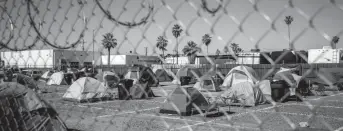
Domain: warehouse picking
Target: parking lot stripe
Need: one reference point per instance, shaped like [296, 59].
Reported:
[128, 112]
[238, 114]
[302, 114]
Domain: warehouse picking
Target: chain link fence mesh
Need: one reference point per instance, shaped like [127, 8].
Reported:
[80, 25]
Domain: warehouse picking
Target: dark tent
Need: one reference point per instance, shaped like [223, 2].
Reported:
[23, 110]
[26, 81]
[162, 75]
[141, 89]
[142, 74]
[128, 90]
[108, 77]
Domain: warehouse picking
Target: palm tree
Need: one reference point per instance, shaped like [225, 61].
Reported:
[235, 48]
[191, 50]
[218, 52]
[288, 20]
[334, 42]
[162, 44]
[226, 50]
[109, 42]
[176, 33]
[206, 39]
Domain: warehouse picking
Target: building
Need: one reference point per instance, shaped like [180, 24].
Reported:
[130, 59]
[216, 59]
[182, 60]
[50, 58]
[325, 55]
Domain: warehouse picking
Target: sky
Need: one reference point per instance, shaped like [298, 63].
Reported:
[61, 16]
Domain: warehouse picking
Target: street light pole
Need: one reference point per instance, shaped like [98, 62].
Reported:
[146, 51]
[93, 51]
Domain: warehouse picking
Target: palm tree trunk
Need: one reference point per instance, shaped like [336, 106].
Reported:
[207, 49]
[289, 38]
[177, 51]
[163, 56]
[109, 57]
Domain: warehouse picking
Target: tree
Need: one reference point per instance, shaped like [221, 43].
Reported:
[235, 48]
[217, 52]
[176, 33]
[206, 39]
[226, 50]
[109, 42]
[191, 50]
[288, 20]
[162, 44]
[334, 42]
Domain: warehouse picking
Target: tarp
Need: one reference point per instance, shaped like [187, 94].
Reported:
[207, 84]
[47, 74]
[288, 58]
[240, 74]
[183, 97]
[332, 76]
[247, 93]
[288, 75]
[86, 89]
[26, 81]
[23, 110]
[57, 79]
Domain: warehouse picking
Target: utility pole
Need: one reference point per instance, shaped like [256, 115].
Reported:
[83, 44]
[93, 51]
[146, 51]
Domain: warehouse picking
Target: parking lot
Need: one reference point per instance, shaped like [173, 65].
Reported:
[322, 113]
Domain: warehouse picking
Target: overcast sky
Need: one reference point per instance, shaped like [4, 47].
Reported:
[329, 21]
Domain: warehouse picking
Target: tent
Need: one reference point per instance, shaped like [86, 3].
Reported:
[86, 89]
[128, 90]
[188, 71]
[207, 84]
[143, 74]
[182, 99]
[247, 93]
[240, 74]
[57, 79]
[163, 76]
[23, 110]
[108, 78]
[46, 75]
[26, 81]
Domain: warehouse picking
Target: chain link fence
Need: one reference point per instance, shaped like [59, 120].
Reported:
[56, 35]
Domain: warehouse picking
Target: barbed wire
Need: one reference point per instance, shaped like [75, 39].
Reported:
[43, 38]
[128, 24]
[213, 11]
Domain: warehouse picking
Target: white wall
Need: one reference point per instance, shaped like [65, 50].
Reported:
[114, 59]
[248, 58]
[324, 55]
[30, 58]
[182, 60]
